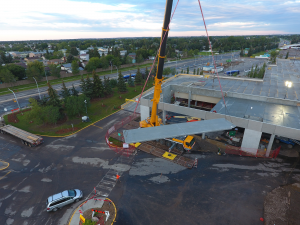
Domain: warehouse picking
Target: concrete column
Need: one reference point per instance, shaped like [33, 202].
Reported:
[145, 112]
[269, 148]
[203, 135]
[189, 100]
[164, 116]
[251, 140]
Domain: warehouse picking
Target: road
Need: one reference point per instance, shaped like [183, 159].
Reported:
[7, 103]
[222, 190]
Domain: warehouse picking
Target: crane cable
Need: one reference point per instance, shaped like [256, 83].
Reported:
[155, 59]
[213, 57]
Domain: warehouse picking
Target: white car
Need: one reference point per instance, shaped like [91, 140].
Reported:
[61, 199]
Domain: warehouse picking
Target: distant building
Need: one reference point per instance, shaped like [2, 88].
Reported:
[85, 57]
[133, 56]
[123, 52]
[55, 61]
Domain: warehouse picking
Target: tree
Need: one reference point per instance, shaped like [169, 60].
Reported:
[107, 88]
[89, 87]
[121, 83]
[36, 69]
[75, 67]
[93, 64]
[250, 52]
[198, 71]
[194, 71]
[73, 91]
[167, 71]
[32, 72]
[130, 81]
[188, 70]
[54, 70]
[17, 71]
[6, 76]
[70, 58]
[98, 90]
[146, 71]
[71, 106]
[53, 97]
[36, 113]
[138, 77]
[287, 55]
[82, 85]
[74, 51]
[182, 71]
[201, 73]
[65, 91]
[140, 59]
[128, 60]
[52, 114]
[242, 53]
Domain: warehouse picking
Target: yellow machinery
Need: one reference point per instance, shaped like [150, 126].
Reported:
[188, 118]
[186, 142]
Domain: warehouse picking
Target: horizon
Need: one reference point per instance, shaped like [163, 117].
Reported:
[92, 19]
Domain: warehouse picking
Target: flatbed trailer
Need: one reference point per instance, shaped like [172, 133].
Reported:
[27, 138]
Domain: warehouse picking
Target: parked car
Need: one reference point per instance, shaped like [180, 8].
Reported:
[61, 199]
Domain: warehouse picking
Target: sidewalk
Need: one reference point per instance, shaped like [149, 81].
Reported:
[74, 220]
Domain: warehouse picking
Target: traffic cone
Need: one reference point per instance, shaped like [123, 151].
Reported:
[261, 219]
[117, 176]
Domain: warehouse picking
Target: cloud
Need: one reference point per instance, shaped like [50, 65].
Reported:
[114, 17]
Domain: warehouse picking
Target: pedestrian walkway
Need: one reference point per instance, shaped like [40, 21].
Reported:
[103, 188]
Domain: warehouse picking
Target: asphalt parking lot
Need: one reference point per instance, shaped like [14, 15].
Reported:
[221, 190]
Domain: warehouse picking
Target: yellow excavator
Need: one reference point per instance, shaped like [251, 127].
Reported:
[184, 142]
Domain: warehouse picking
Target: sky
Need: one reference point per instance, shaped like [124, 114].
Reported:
[73, 19]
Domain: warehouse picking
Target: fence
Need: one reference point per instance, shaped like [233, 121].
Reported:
[260, 153]
[126, 151]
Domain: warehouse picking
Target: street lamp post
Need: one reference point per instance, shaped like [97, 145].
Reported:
[37, 88]
[15, 98]
[85, 107]
[111, 66]
[117, 69]
[46, 76]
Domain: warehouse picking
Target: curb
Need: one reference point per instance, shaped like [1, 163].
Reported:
[85, 200]
[4, 167]
[81, 128]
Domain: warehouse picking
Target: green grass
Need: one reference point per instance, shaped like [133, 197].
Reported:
[24, 87]
[95, 113]
[115, 142]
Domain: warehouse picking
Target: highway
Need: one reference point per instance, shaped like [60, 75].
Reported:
[7, 103]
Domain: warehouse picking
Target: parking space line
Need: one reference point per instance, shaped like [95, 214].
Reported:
[5, 175]
[96, 126]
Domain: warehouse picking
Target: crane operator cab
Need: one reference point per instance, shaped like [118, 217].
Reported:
[183, 143]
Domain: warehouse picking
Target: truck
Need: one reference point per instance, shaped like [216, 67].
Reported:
[182, 143]
[27, 138]
[207, 68]
[218, 69]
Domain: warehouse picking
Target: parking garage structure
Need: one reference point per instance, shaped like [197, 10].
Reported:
[258, 106]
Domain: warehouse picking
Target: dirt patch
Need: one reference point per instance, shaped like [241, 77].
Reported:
[66, 130]
[281, 205]
[12, 118]
[107, 206]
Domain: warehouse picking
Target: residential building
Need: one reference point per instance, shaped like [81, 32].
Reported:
[55, 61]
[85, 57]
[133, 56]
[123, 52]
[81, 52]
[32, 59]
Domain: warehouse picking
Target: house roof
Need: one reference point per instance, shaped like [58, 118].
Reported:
[67, 65]
[21, 64]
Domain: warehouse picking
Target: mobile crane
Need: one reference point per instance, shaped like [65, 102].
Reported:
[183, 142]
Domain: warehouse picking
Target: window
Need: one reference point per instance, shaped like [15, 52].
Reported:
[72, 193]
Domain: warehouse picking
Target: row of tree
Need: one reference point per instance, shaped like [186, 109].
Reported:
[256, 72]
